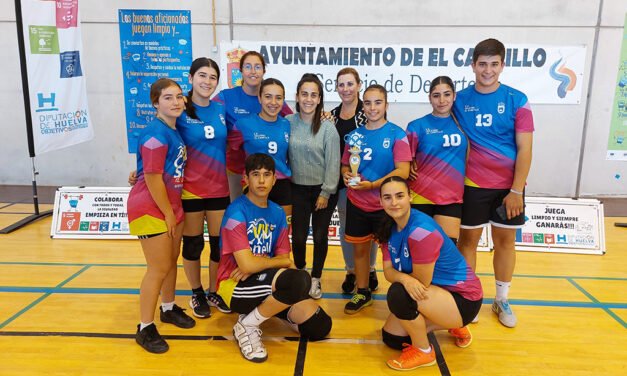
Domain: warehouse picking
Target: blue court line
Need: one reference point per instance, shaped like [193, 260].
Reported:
[539, 276]
[339, 296]
[591, 297]
[38, 300]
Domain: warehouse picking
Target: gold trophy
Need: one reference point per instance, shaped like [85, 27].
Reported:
[354, 162]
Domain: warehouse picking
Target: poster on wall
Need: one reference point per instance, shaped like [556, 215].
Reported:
[90, 213]
[562, 225]
[154, 44]
[617, 143]
[57, 88]
[547, 74]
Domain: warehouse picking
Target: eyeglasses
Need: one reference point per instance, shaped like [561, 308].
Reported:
[256, 67]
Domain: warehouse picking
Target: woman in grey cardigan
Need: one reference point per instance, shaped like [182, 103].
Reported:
[314, 157]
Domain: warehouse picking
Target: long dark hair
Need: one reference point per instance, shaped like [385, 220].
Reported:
[384, 231]
[312, 78]
[196, 65]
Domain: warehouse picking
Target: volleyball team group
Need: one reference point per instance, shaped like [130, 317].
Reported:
[245, 165]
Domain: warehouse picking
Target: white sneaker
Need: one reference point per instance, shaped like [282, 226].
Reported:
[249, 341]
[505, 313]
[316, 289]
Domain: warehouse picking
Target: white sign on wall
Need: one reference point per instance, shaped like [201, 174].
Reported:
[546, 74]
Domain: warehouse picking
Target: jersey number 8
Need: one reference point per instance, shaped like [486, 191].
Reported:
[209, 132]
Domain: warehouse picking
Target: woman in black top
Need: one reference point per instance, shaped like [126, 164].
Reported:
[348, 116]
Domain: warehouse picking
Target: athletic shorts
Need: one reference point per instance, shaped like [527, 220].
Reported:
[206, 204]
[360, 224]
[244, 296]
[450, 210]
[468, 309]
[149, 235]
[479, 209]
[281, 193]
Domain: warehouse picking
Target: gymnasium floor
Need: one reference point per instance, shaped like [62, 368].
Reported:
[69, 307]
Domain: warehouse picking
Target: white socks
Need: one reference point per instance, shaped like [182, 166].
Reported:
[502, 290]
[167, 306]
[144, 325]
[254, 318]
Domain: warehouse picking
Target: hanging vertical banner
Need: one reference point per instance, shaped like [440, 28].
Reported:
[58, 95]
[617, 143]
[154, 44]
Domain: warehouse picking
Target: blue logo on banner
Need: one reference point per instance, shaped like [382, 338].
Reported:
[46, 103]
[70, 64]
[104, 226]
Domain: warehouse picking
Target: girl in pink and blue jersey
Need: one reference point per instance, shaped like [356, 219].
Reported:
[439, 148]
[155, 213]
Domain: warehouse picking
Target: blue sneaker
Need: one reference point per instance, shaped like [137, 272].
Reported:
[504, 311]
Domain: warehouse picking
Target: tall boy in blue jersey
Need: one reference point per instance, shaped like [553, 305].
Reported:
[256, 277]
[498, 122]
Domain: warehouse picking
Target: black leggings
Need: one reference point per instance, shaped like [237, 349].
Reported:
[304, 199]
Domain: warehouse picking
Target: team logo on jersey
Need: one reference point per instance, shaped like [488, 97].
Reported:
[500, 108]
[405, 252]
[260, 237]
[433, 131]
[179, 163]
[391, 249]
[222, 119]
[260, 136]
[386, 143]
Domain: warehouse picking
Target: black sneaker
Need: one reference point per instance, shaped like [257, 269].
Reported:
[150, 339]
[357, 303]
[177, 316]
[373, 282]
[216, 300]
[348, 286]
[199, 305]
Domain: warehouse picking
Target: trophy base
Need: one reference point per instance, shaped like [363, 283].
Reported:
[354, 181]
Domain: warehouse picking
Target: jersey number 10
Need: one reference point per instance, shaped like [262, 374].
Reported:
[451, 140]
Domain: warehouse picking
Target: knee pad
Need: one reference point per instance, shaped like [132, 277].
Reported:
[393, 341]
[192, 247]
[400, 303]
[214, 246]
[292, 286]
[317, 326]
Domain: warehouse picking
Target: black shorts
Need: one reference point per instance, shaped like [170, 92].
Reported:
[450, 210]
[253, 291]
[360, 224]
[281, 193]
[149, 235]
[206, 204]
[468, 309]
[479, 208]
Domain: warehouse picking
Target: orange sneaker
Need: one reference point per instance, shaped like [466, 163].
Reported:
[412, 358]
[463, 337]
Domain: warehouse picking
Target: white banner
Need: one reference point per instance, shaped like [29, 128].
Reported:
[91, 213]
[58, 96]
[546, 74]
